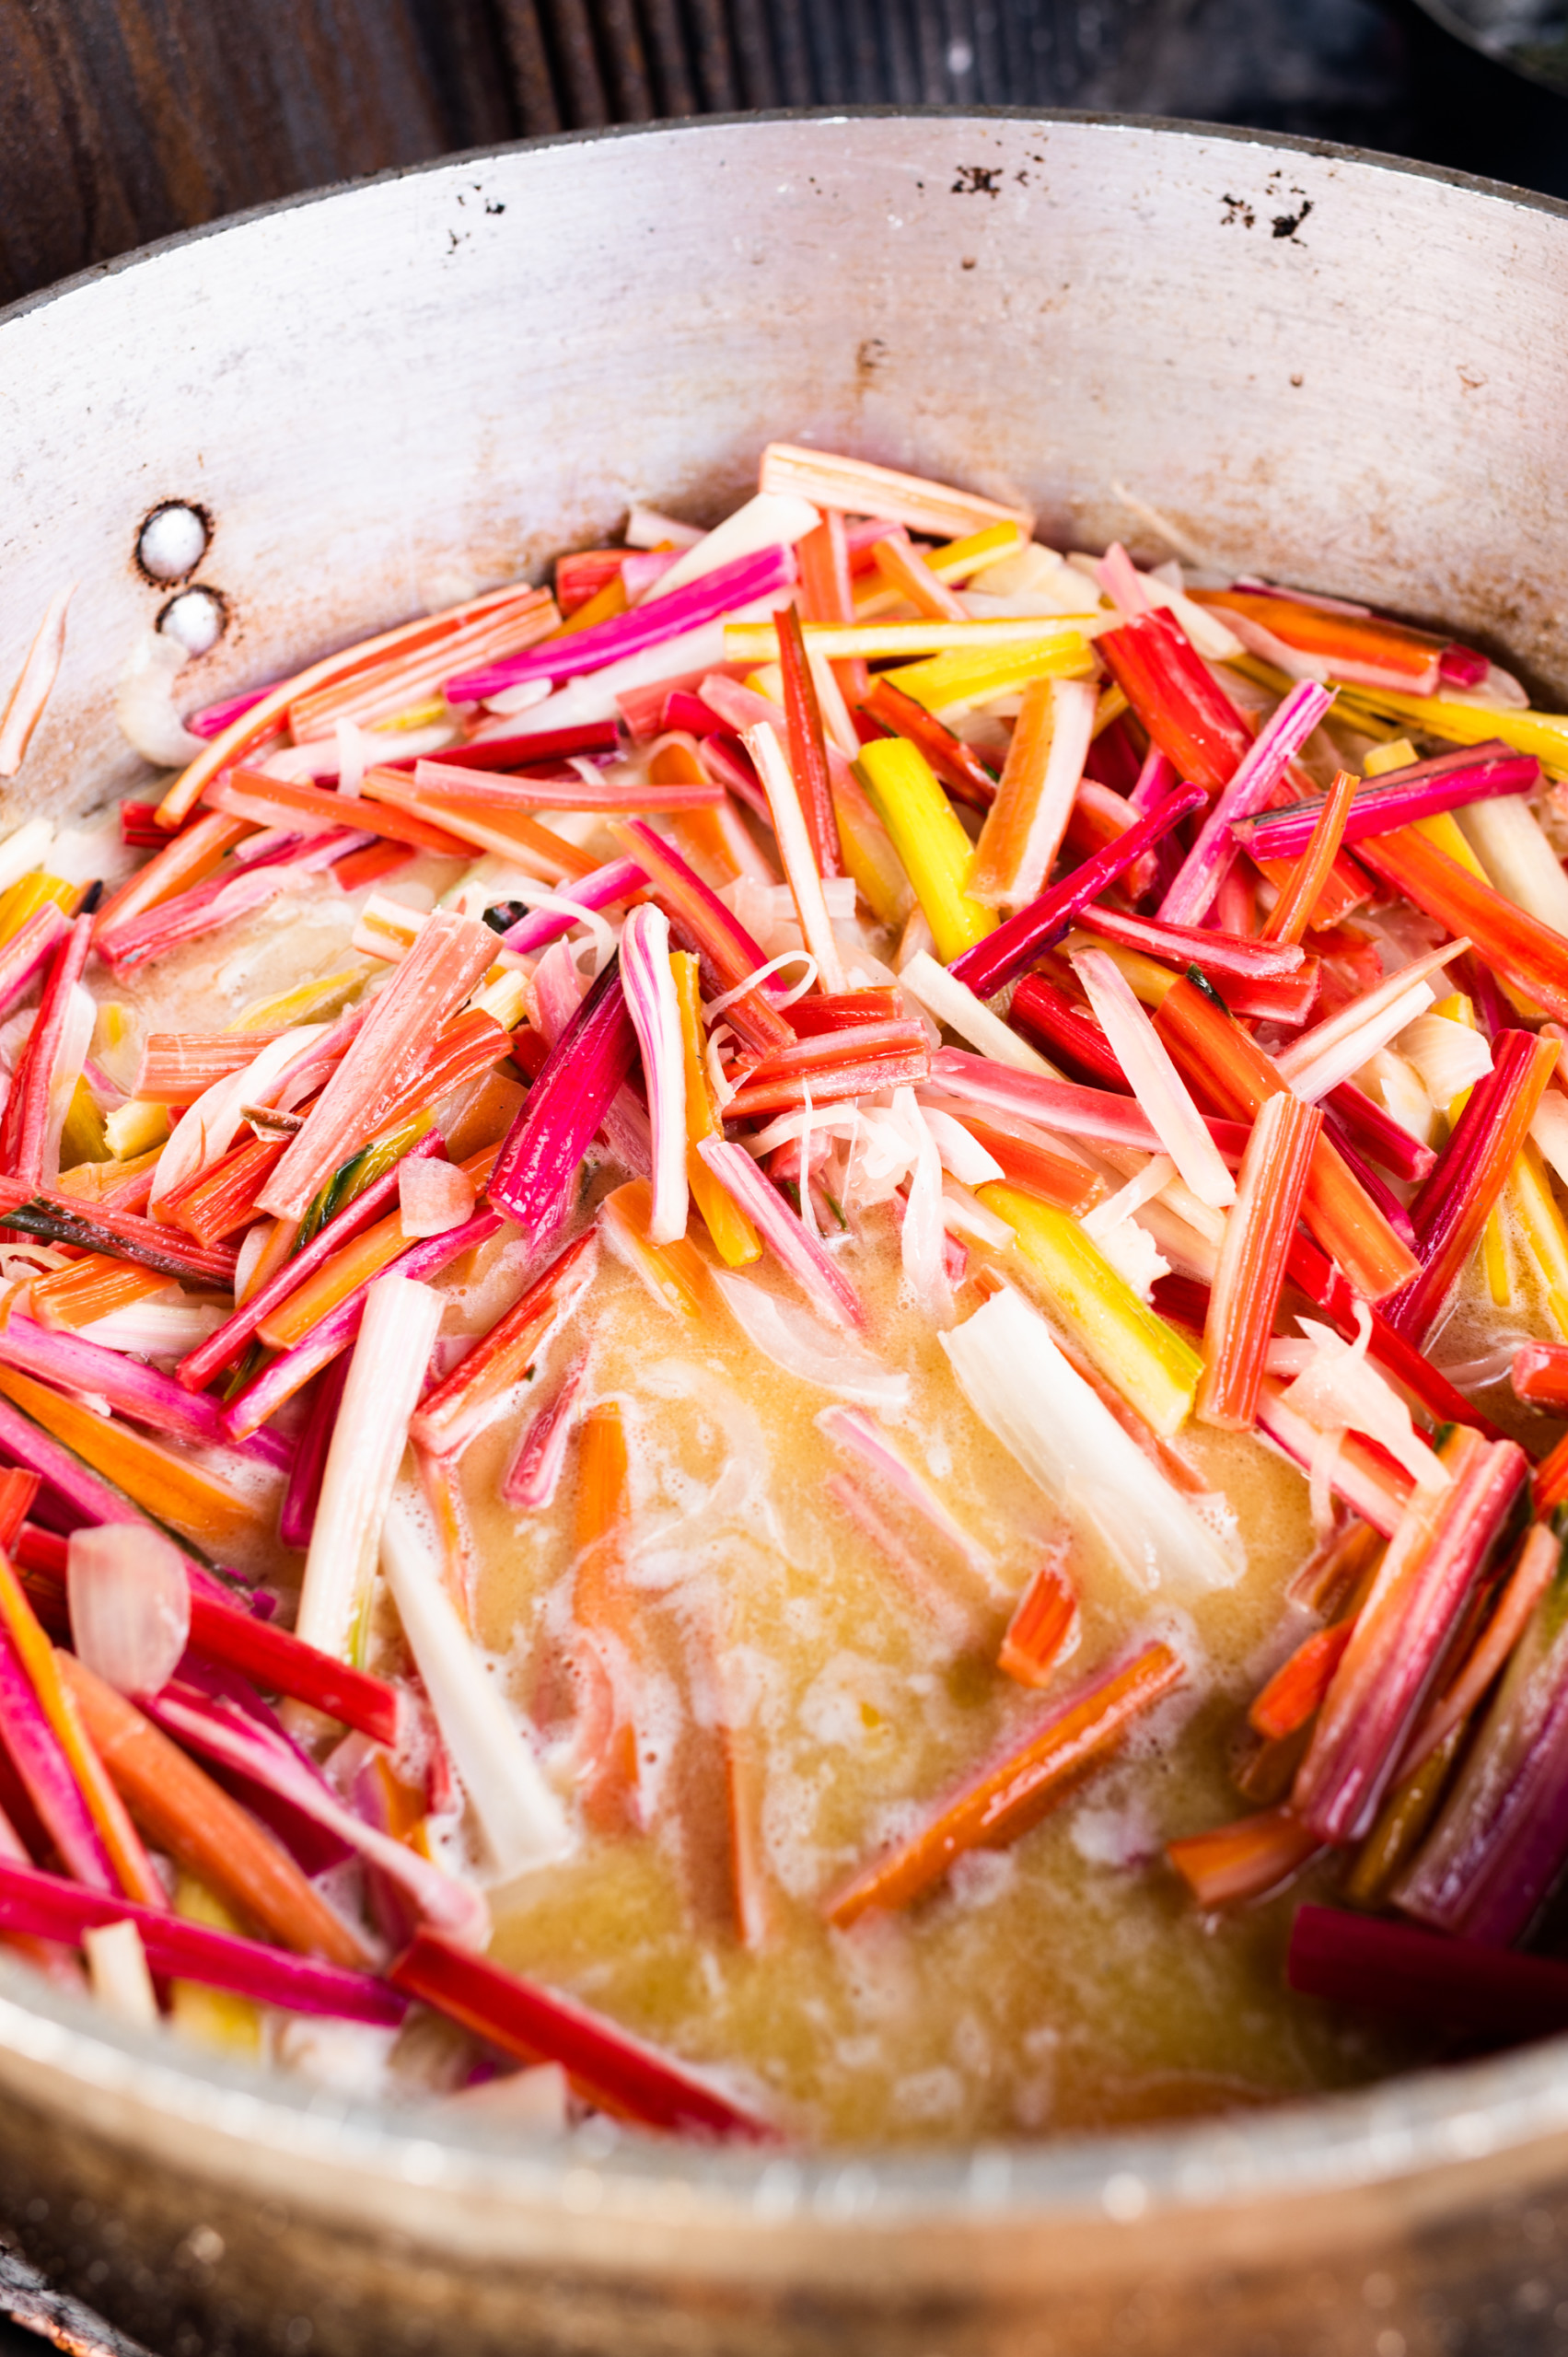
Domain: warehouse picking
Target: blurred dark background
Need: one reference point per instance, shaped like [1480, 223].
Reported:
[123, 120]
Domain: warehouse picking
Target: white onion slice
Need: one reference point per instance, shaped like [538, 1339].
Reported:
[1448, 1056]
[144, 702]
[1338, 1390]
[433, 1197]
[768, 519]
[129, 1600]
[803, 1347]
[25, 705]
[117, 1967]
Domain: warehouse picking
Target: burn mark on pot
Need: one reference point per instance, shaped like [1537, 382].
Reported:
[1280, 224]
[492, 205]
[978, 179]
[870, 352]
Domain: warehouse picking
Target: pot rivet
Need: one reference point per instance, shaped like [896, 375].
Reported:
[197, 618]
[172, 541]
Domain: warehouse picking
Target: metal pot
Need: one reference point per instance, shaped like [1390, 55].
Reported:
[1350, 372]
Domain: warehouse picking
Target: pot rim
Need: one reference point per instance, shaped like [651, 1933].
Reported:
[697, 126]
[1425, 2121]
[1446, 2118]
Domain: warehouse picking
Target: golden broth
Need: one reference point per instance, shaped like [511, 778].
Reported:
[1067, 1983]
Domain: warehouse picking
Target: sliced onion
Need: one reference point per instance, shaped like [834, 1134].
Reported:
[803, 1347]
[963, 1156]
[1449, 1056]
[433, 1197]
[144, 702]
[921, 1235]
[24, 707]
[129, 1600]
[1338, 1390]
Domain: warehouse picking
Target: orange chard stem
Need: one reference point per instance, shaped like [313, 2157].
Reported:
[437, 1480]
[1004, 838]
[89, 1289]
[1251, 1273]
[164, 1485]
[1226, 1069]
[217, 1201]
[260, 720]
[451, 1413]
[1045, 1627]
[1526, 1585]
[903, 568]
[608, 1645]
[186, 1814]
[734, 1741]
[115, 1185]
[1290, 915]
[352, 1265]
[602, 1509]
[275, 801]
[18, 1491]
[1299, 1686]
[1526, 954]
[502, 623]
[960, 770]
[511, 833]
[807, 746]
[1006, 1798]
[827, 593]
[1539, 1374]
[1245, 1859]
[1459, 1195]
[674, 1274]
[735, 1239]
[1548, 1487]
[1349, 644]
[469, 1044]
[189, 859]
[1069, 1186]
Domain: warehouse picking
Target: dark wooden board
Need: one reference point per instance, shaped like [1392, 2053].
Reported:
[123, 120]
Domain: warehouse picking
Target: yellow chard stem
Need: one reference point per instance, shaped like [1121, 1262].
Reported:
[976, 674]
[734, 1239]
[1149, 1363]
[929, 839]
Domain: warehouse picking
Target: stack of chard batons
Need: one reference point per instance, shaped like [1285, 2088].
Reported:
[777, 1337]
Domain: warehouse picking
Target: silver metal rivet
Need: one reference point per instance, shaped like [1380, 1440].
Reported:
[172, 541]
[197, 618]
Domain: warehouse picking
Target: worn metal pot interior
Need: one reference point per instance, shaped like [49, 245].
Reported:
[1348, 371]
